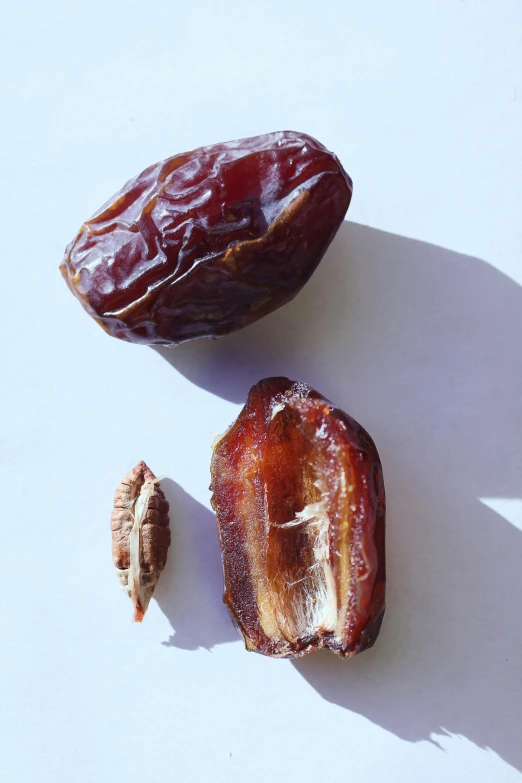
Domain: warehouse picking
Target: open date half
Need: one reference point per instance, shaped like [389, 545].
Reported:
[299, 496]
[208, 241]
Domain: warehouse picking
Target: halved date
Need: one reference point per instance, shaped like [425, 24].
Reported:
[299, 496]
[140, 535]
[208, 241]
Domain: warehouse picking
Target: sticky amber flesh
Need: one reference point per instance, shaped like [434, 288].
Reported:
[299, 498]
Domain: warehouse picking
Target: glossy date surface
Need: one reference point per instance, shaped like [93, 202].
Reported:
[299, 498]
[209, 241]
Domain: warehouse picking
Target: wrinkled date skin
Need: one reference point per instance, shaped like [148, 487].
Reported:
[299, 498]
[209, 241]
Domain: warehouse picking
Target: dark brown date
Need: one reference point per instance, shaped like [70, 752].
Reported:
[299, 498]
[208, 241]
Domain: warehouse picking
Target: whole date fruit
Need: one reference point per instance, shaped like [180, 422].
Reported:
[208, 241]
[299, 498]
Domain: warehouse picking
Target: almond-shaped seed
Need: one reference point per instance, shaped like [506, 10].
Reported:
[140, 535]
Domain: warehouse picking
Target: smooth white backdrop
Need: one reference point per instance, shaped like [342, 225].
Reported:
[412, 323]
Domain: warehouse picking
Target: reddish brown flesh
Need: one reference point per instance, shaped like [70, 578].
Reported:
[208, 241]
[299, 497]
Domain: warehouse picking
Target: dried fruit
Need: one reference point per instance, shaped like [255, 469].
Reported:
[208, 241]
[140, 535]
[299, 497]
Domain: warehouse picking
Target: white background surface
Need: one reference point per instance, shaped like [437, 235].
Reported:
[423, 104]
